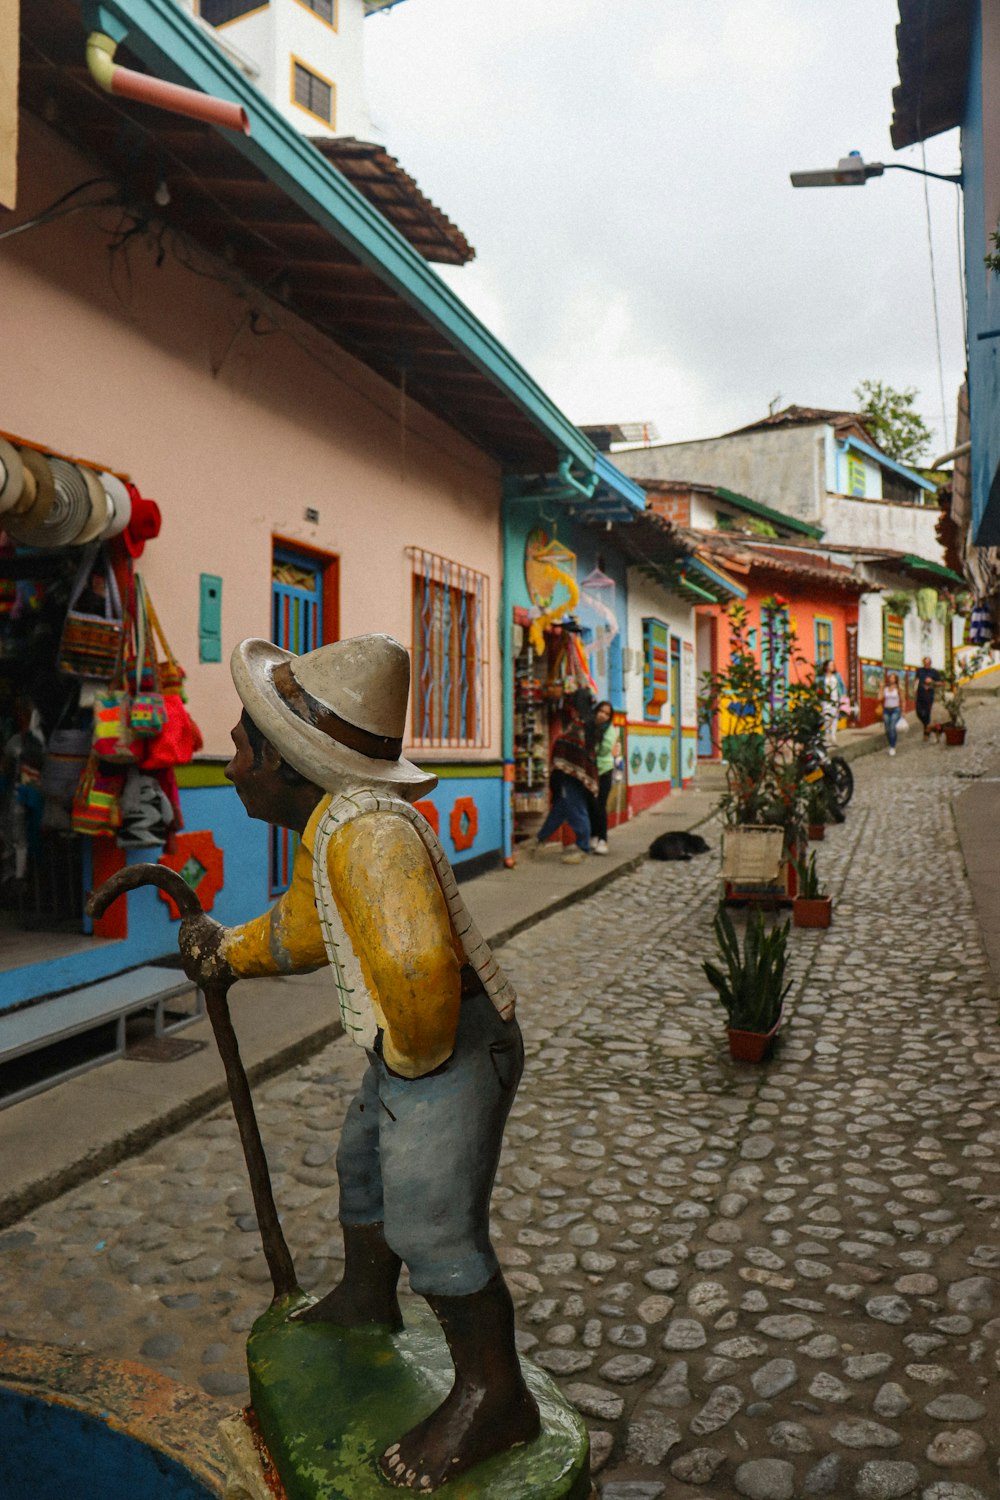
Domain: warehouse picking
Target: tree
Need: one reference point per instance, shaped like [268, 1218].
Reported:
[895, 424]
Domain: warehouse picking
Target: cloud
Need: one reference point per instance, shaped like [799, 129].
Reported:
[623, 172]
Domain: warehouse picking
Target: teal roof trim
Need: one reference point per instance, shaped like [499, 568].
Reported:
[720, 580]
[765, 512]
[609, 476]
[174, 47]
[885, 462]
[922, 565]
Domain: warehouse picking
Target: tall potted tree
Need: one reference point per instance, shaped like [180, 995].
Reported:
[769, 707]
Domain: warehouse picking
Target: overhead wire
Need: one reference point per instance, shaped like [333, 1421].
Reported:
[61, 206]
[934, 299]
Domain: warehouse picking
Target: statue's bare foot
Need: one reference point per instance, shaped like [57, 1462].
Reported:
[366, 1295]
[469, 1426]
[353, 1307]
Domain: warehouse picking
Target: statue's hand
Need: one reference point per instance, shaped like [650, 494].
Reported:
[200, 939]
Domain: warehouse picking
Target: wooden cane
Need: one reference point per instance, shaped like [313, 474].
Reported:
[276, 1253]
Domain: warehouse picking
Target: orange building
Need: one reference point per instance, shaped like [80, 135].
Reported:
[800, 609]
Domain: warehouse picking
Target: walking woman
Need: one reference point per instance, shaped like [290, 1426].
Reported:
[605, 749]
[892, 708]
[831, 690]
[574, 784]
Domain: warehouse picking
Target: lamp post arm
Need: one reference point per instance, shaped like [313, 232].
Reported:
[898, 166]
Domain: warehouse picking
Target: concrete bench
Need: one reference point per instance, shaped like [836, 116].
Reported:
[47, 1022]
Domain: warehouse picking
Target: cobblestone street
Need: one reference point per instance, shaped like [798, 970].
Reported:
[768, 1282]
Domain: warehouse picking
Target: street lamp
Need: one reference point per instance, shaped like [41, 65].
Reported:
[853, 171]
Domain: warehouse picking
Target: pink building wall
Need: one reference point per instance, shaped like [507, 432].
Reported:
[156, 371]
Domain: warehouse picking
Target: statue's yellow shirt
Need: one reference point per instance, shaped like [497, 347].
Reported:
[397, 920]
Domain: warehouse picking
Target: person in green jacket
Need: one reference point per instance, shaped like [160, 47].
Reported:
[606, 747]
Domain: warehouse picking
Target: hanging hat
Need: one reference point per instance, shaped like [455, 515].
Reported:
[120, 502]
[64, 517]
[144, 522]
[337, 711]
[39, 491]
[11, 476]
[101, 509]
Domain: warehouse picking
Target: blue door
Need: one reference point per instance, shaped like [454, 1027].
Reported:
[296, 625]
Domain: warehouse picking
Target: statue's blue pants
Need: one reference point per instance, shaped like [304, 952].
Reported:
[420, 1155]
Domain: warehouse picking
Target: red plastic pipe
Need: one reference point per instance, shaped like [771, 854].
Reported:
[127, 84]
[180, 101]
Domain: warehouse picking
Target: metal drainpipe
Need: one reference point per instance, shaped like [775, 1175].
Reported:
[585, 487]
[127, 84]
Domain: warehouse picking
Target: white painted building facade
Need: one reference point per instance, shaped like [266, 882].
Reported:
[306, 56]
[661, 746]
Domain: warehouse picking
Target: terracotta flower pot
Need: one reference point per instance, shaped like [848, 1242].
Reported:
[954, 734]
[817, 831]
[812, 911]
[752, 1046]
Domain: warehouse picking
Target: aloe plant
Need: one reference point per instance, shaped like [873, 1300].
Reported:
[809, 881]
[752, 988]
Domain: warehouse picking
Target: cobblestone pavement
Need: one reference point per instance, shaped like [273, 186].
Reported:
[768, 1282]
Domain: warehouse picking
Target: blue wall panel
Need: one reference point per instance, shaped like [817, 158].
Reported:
[151, 932]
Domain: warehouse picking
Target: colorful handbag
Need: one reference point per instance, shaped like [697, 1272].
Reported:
[171, 672]
[97, 803]
[112, 734]
[147, 712]
[65, 758]
[178, 742]
[91, 644]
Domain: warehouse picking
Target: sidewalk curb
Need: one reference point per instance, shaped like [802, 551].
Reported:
[24, 1200]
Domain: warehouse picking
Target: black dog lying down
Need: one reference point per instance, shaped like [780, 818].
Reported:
[677, 846]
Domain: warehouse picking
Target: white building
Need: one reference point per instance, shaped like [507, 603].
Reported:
[307, 56]
[820, 467]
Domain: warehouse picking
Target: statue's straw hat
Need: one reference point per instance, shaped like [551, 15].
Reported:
[334, 712]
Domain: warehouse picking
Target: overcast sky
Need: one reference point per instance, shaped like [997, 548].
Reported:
[621, 167]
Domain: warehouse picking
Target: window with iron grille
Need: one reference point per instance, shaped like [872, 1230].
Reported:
[322, 8]
[218, 12]
[450, 708]
[312, 93]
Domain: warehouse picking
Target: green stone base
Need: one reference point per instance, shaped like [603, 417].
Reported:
[329, 1401]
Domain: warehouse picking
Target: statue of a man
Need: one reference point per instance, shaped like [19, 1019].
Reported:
[318, 750]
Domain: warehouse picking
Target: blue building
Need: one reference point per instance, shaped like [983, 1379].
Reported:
[949, 75]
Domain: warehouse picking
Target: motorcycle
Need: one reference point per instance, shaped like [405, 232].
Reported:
[817, 764]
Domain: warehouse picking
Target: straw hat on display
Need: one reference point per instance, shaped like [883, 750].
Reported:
[144, 522]
[39, 487]
[120, 502]
[11, 476]
[336, 712]
[64, 518]
[101, 508]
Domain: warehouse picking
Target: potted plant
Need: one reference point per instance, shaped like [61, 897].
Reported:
[752, 986]
[956, 681]
[767, 706]
[817, 810]
[811, 907]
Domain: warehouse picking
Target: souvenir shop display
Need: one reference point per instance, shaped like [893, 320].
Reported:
[542, 685]
[93, 714]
